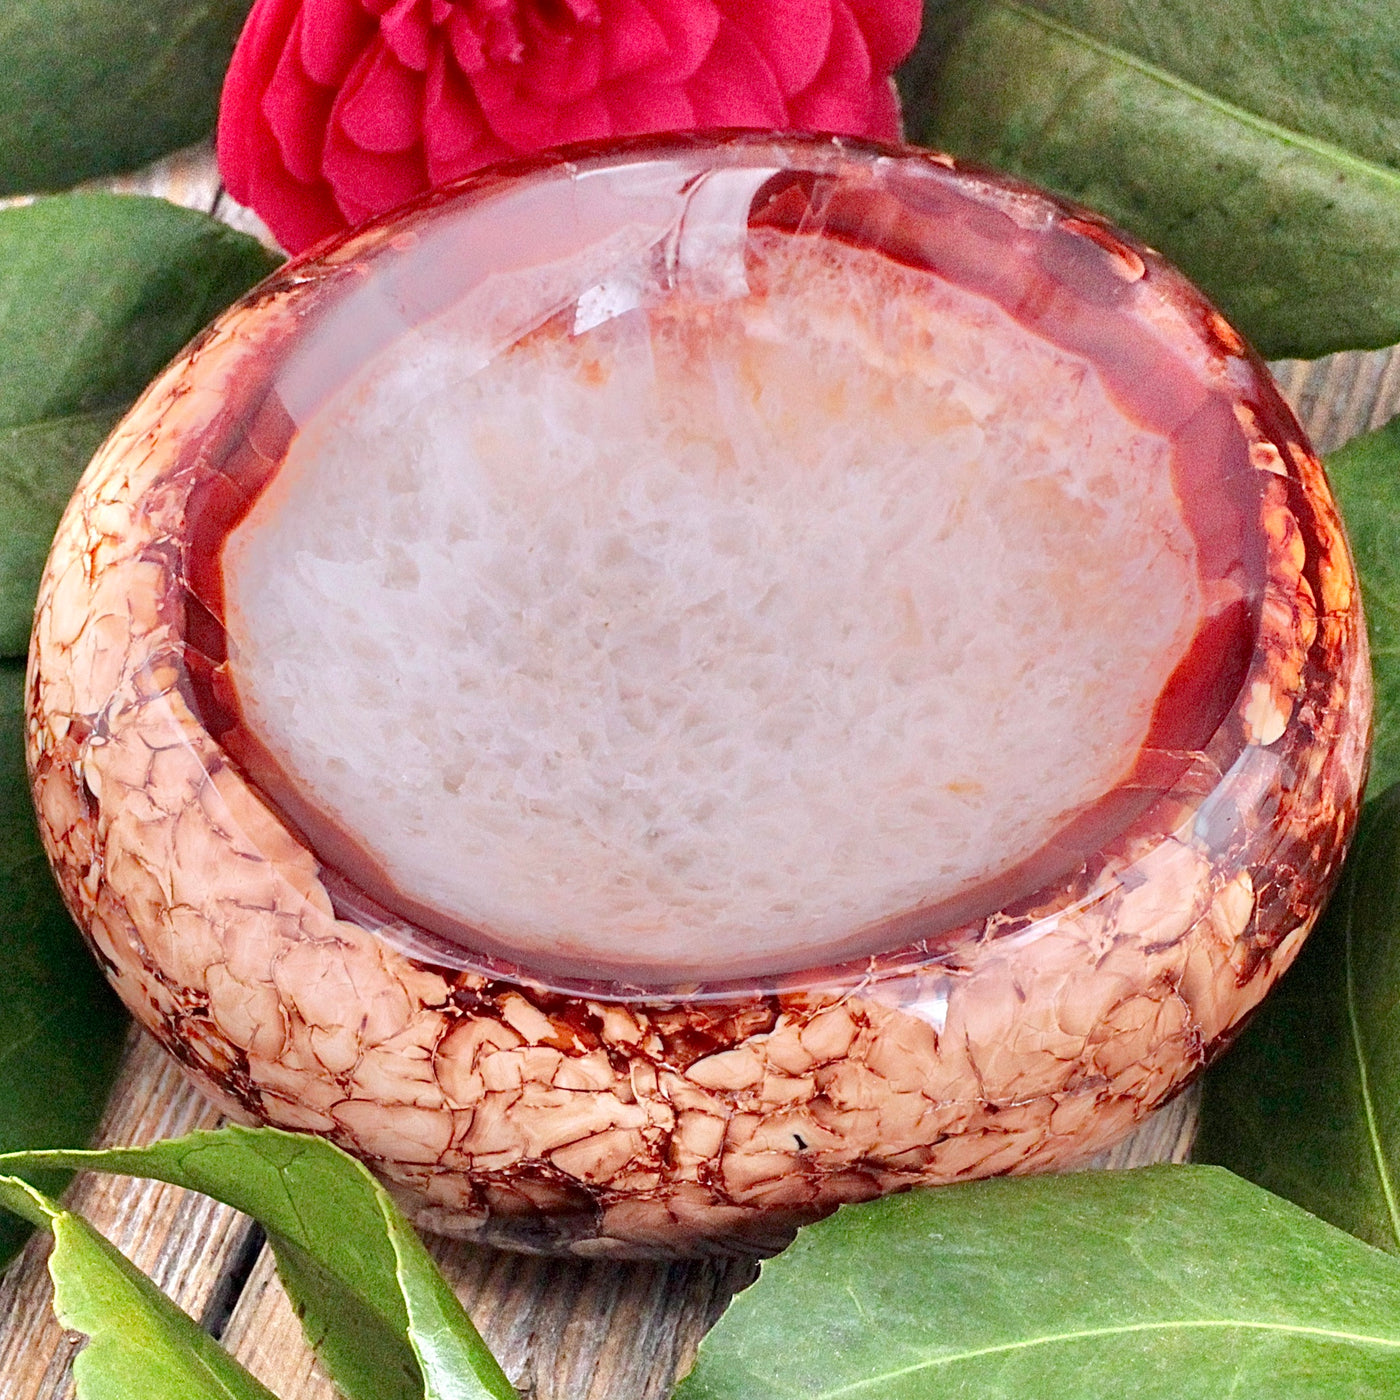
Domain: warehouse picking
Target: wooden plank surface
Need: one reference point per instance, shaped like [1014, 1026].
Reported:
[564, 1329]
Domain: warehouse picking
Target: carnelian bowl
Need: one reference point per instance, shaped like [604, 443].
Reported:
[663, 689]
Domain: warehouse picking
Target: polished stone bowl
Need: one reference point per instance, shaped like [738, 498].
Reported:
[525, 1047]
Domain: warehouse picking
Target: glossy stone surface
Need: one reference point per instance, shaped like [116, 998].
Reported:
[919, 450]
[704, 634]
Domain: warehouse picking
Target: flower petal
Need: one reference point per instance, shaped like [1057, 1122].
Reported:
[589, 120]
[792, 35]
[363, 180]
[885, 121]
[333, 35]
[467, 47]
[296, 111]
[691, 28]
[298, 215]
[240, 143]
[366, 183]
[456, 138]
[380, 107]
[407, 32]
[840, 98]
[520, 121]
[735, 86]
[890, 28]
[632, 40]
[640, 106]
[563, 68]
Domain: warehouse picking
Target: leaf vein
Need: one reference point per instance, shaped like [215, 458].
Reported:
[1288, 135]
[1094, 1333]
[1363, 1071]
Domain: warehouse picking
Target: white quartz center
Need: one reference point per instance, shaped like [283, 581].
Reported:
[698, 641]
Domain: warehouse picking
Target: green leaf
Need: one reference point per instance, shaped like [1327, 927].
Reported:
[1365, 475]
[1256, 142]
[1160, 1284]
[97, 294]
[61, 1028]
[88, 87]
[140, 1344]
[383, 1319]
[1308, 1103]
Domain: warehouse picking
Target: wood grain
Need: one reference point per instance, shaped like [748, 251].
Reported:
[1343, 395]
[564, 1329]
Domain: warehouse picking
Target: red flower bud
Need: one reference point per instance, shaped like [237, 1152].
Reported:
[335, 110]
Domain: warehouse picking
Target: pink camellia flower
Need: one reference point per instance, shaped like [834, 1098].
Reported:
[335, 110]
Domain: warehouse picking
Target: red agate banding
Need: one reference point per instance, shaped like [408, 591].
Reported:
[658, 691]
